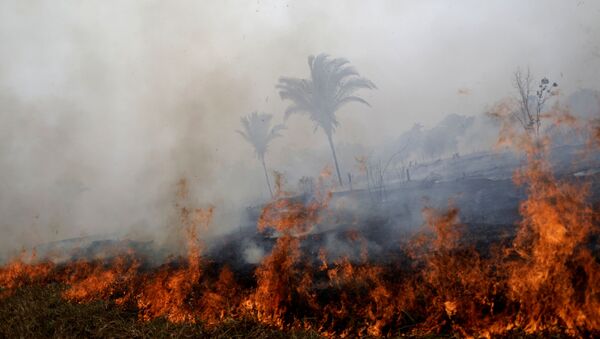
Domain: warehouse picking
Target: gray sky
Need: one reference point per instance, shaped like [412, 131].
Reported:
[105, 105]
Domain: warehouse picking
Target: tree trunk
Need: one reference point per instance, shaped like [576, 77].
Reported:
[267, 176]
[337, 168]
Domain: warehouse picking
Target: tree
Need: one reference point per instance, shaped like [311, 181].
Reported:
[331, 85]
[258, 132]
[530, 106]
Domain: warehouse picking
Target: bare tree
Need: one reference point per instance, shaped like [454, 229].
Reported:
[258, 132]
[331, 85]
[531, 106]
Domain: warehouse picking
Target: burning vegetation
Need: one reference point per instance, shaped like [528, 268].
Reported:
[544, 280]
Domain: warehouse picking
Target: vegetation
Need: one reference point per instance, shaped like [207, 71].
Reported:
[530, 109]
[332, 84]
[256, 129]
[40, 312]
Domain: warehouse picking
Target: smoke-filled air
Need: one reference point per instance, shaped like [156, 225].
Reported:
[305, 169]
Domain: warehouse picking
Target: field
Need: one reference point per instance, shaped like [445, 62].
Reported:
[333, 271]
[40, 312]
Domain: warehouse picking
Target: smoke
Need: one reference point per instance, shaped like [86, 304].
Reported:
[253, 254]
[104, 108]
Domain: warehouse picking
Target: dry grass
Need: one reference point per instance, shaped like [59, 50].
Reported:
[40, 312]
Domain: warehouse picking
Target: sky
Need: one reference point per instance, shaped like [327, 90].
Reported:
[105, 105]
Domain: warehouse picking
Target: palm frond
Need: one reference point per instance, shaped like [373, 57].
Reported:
[293, 109]
[274, 133]
[332, 84]
[350, 99]
[244, 135]
[257, 131]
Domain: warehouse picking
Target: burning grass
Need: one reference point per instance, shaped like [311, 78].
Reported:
[42, 312]
[544, 282]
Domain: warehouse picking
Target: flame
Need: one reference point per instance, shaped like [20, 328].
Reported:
[557, 276]
[166, 294]
[280, 282]
[543, 281]
[221, 302]
[100, 282]
[22, 271]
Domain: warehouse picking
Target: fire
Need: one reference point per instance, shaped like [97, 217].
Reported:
[22, 271]
[100, 282]
[545, 280]
[279, 278]
[221, 302]
[556, 279]
[165, 293]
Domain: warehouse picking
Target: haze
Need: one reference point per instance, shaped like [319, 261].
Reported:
[105, 106]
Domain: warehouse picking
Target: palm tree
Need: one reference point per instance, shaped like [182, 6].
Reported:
[331, 85]
[258, 132]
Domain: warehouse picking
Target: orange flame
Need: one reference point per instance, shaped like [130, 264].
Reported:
[543, 281]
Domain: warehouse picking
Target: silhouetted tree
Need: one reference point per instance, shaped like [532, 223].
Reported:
[331, 85]
[258, 132]
[530, 105]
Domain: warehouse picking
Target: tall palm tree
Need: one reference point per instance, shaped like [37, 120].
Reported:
[331, 85]
[258, 132]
